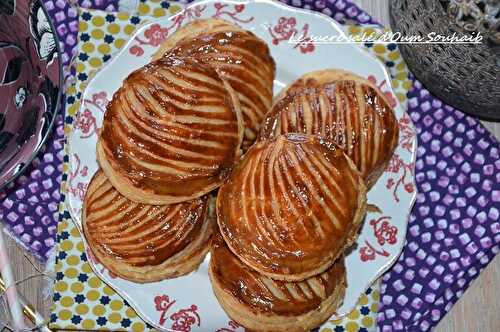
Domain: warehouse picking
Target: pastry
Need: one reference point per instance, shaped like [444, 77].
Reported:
[145, 243]
[239, 56]
[343, 107]
[263, 304]
[171, 133]
[291, 206]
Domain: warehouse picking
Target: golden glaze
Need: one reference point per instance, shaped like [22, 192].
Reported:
[291, 206]
[352, 113]
[172, 131]
[139, 234]
[244, 61]
[265, 295]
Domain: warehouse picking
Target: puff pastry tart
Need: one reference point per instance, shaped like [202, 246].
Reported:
[239, 56]
[262, 304]
[171, 133]
[291, 206]
[145, 243]
[343, 107]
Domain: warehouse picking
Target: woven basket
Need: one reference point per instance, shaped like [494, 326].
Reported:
[466, 76]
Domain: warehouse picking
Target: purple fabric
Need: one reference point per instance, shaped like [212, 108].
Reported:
[29, 205]
[340, 10]
[454, 229]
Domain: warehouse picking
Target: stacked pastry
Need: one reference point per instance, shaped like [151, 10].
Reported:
[294, 204]
[241, 58]
[170, 136]
[286, 211]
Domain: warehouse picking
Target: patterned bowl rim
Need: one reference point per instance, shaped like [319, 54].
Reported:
[41, 144]
[335, 25]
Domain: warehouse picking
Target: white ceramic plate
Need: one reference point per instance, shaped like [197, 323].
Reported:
[187, 303]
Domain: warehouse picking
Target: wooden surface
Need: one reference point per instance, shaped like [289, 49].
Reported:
[477, 310]
[25, 265]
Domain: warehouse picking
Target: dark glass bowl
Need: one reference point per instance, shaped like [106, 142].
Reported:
[31, 83]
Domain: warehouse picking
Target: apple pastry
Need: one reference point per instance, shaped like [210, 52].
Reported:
[171, 133]
[291, 206]
[262, 304]
[145, 243]
[342, 107]
[239, 56]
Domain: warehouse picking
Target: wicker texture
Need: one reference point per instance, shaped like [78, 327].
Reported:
[466, 76]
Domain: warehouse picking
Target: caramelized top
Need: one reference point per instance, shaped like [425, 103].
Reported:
[172, 129]
[244, 61]
[139, 234]
[265, 295]
[290, 206]
[352, 114]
